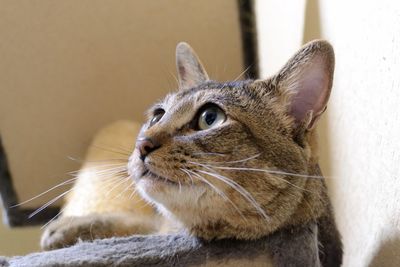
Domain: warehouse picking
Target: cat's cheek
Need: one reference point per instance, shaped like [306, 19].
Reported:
[155, 189]
[145, 189]
[168, 194]
[135, 166]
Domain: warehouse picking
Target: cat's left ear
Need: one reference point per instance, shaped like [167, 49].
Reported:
[190, 70]
[306, 81]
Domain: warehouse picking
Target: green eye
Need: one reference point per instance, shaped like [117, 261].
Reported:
[158, 114]
[211, 117]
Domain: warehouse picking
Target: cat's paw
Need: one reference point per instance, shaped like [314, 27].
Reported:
[67, 231]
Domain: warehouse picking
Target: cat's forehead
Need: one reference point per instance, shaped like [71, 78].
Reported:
[215, 92]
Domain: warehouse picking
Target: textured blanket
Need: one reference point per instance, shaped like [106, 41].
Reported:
[167, 250]
[280, 248]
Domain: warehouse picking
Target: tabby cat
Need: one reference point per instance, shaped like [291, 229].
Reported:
[219, 160]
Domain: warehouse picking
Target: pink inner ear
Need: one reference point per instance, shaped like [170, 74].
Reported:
[182, 71]
[312, 91]
[190, 70]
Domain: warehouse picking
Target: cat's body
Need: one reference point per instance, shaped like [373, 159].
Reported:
[235, 160]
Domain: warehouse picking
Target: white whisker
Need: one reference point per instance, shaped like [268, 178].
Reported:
[113, 150]
[69, 181]
[100, 168]
[244, 160]
[54, 218]
[190, 176]
[234, 161]
[242, 73]
[111, 171]
[126, 188]
[48, 204]
[266, 171]
[255, 169]
[96, 161]
[239, 189]
[114, 146]
[269, 171]
[216, 189]
[134, 189]
[209, 153]
[117, 184]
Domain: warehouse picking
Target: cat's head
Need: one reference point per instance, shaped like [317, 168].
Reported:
[231, 159]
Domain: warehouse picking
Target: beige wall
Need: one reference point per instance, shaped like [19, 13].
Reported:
[360, 132]
[67, 68]
[280, 32]
[364, 127]
[18, 241]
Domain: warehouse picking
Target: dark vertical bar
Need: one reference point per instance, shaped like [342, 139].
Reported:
[8, 197]
[249, 37]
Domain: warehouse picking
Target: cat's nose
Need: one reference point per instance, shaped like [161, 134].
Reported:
[146, 146]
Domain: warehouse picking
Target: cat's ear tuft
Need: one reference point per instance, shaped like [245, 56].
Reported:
[306, 81]
[190, 70]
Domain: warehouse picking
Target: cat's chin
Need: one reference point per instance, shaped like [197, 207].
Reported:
[165, 189]
[154, 191]
[155, 185]
[156, 179]
[169, 194]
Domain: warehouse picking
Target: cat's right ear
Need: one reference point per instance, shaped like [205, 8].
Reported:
[304, 84]
[190, 70]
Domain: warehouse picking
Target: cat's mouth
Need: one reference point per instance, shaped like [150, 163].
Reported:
[148, 174]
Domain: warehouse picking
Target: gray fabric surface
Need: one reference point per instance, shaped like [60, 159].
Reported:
[294, 246]
[167, 250]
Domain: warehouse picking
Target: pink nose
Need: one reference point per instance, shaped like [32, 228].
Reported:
[145, 147]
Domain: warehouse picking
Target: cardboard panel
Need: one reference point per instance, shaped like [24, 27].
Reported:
[69, 68]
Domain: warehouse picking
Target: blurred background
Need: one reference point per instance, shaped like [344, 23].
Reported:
[68, 68]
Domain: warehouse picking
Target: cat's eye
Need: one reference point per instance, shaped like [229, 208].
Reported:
[158, 114]
[211, 117]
